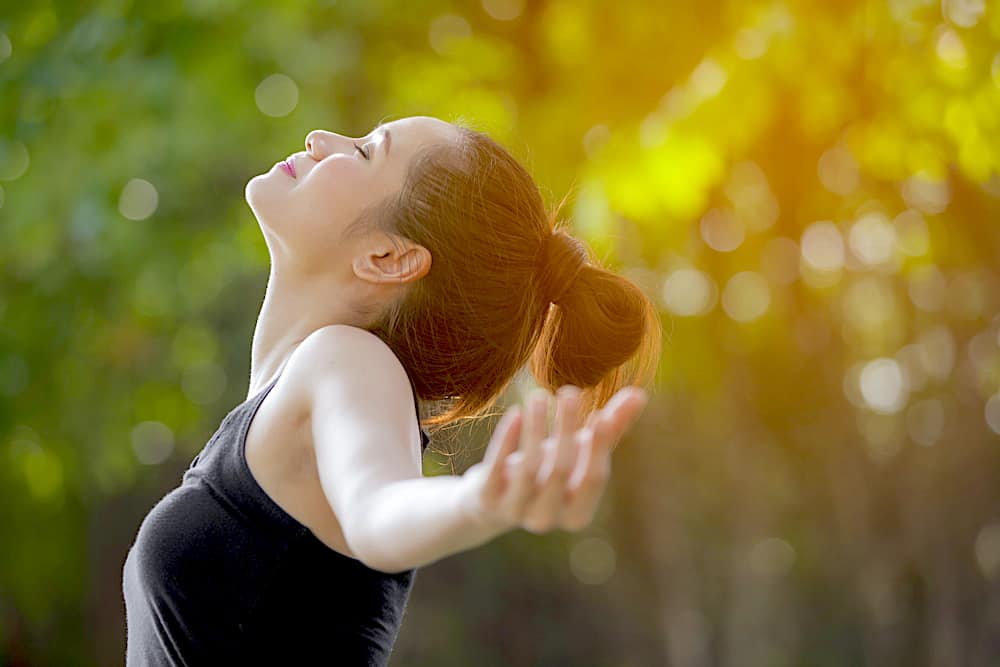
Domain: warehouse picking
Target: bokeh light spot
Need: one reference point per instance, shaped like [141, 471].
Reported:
[912, 235]
[746, 296]
[823, 246]
[592, 560]
[753, 201]
[963, 13]
[851, 385]
[721, 230]
[678, 102]
[925, 421]
[276, 96]
[445, 30]
[992, 412]
[872, 239]
[771, 557]
[982, 350]
[937, 351]
[838, 171]
[883, 385]
[503, 10]
[43, 472]
[152, 442]
[595, 138]
[883, 435]
[138, 199]
[708, 78]
[927, 287]
[689, 292]
[591, 212]
[14, 160]
[987, 550]
[750, 43]
[925, 193]
[653, 129]
[951, 50]
[870, 304]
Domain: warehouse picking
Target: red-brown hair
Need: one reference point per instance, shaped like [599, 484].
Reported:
[482, 312]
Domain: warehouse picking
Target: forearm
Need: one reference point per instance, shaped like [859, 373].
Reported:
[415, 522]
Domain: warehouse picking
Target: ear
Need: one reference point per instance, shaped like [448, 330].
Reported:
[392, 260]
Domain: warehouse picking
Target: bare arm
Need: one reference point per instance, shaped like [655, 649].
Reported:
[366, 440]
[367, 452]
[414, 522]
[528, 479]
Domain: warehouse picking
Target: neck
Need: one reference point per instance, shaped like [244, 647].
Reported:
[294, 306]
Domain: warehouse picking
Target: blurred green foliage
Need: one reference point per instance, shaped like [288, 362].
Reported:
[809, 189]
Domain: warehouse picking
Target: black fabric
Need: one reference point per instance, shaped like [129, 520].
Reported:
[219, 574]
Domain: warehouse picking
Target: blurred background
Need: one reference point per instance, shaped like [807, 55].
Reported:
[809, 190]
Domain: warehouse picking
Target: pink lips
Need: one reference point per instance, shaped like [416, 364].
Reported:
[289, 167]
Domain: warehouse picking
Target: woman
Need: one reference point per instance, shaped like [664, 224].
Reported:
[417, 262]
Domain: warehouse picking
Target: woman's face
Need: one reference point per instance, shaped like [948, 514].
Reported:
[305, 214]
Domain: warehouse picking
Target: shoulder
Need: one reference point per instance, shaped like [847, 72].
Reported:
[355, 394]
[348, 352]
[342, 344]
[348, 365]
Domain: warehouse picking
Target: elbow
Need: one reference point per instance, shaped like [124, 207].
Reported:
[385, 567]
[371, 550]
[379, 562]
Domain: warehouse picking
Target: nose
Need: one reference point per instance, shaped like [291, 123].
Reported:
[315, 143]
[319, 143]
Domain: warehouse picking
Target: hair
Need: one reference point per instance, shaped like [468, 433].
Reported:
[483, 310]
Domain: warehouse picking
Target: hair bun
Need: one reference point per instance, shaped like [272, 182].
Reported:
[563, 257]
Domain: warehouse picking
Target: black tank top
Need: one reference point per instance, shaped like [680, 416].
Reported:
[219, 574]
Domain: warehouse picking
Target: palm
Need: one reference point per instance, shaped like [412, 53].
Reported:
[537, 480]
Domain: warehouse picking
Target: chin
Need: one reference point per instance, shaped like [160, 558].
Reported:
[252, 185]
[261, 196]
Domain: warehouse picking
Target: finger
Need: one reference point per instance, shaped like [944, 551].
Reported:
[503, 443]
[567, 420]
[554, 475]
[514, 461]
[535, 426]
[522, 483]
[589, 479]
[620, 413]
[585, 440]
[500, 441]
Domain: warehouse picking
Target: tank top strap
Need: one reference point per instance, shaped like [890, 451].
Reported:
[424, 436]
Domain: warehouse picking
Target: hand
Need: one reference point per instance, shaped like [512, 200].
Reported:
[537, 482]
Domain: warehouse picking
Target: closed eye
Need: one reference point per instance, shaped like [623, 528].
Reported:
[363, 154]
